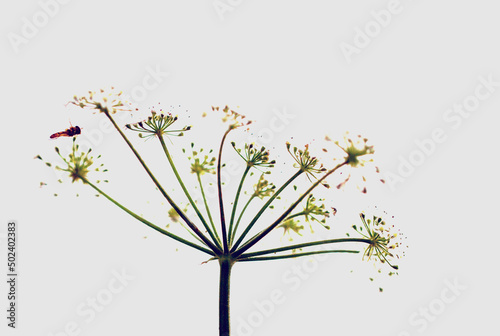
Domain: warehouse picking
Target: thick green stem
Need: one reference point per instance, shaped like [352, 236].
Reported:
[191, 225]
[264, 232]
[186, 192]
[235, 203]
[148, 223]
[225, 275]
[271, 199]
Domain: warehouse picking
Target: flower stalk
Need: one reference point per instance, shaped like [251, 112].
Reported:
[235, 203]
[191, 225]
[264, 207]
[148, 223]
[186, 192]
[254, 240]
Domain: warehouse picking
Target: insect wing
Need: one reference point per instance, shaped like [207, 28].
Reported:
[58, 134]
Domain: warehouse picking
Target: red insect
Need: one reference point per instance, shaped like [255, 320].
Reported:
[70, 132]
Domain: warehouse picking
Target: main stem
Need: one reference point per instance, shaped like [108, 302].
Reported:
[225, 274]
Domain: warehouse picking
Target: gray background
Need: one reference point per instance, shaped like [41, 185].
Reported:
[259, 57]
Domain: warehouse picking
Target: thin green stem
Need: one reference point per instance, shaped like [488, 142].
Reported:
[235, 203]
[148, 223]
[295, 255]
[219, 188]
[302, 213]
[186, 192]
[208, 208]
[309, 244]
[266, 231]
[191, 225]
[231, 238]
[264, 207]
[191, 233]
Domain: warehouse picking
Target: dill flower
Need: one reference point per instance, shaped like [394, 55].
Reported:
[304, 161]
[290, 225]
[201, 167]
[234, 119]
[355, 151]
[157, 125]
[384, 243]
[103, 101]
[173, 215]
[254, 157]
[263, 188]
[78, 164]
[312, 211]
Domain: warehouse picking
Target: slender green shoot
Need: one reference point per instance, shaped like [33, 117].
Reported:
[148, 223]
[308, 244]
[266, 231]
[198, 175]
[235, 203]
[264, 207]
[295, 255]
[231, 238]
[191, 225]
[186, 192]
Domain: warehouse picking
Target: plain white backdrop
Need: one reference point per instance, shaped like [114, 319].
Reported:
[396, 72]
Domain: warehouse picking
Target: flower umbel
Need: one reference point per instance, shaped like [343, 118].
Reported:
[383, 242]
[233, 118]
[312, 211]
[78, 164]
[304, 160]
[254, 157]
[173, 215]
[201, 167]
[157, 125]
[263, 188]
[354, 149]
[291, 225]
[104, 102]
